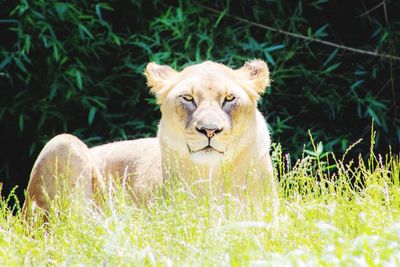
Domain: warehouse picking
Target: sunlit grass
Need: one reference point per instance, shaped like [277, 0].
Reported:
[348, 215]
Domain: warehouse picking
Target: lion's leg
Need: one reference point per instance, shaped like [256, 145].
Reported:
[64, 163]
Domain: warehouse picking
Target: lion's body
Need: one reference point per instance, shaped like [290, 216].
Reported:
[136, 162]
[210, 129]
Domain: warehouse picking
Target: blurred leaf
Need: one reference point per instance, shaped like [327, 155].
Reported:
[289, 55]
[92, 114]
[84, 31]
[56, 55]
[321, 31]
[78, 77]
[53, 92]
[360, 72]
[275, 47]
[373, 115]
[20, 65]
[27, 44]
[269, 57]
[309, 32]
[356, 84]
[32, 149]
[5, 62]
[21, 122]
[320, 148]
[331, 57]
[220, 17]
[317, 4]
[332, 67]
[61, 9]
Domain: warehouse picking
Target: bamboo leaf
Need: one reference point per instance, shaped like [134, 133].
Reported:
[332, 68]
[20, 65]
[356, 84]
[84, 31]
[275, 47]
[21, 122]
[331, 56]
[78, 78]
[92, 114]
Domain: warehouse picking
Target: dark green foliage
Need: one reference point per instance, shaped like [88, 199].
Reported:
[76, 67]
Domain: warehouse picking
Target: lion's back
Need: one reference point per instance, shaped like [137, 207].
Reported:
[137, 161]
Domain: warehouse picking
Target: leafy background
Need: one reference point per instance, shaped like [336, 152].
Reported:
[77, 67]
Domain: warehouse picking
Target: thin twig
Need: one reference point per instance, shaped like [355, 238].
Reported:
[370, 10]
[307, 38]
[385, 12]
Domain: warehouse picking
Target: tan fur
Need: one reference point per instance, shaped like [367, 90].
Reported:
[236, 130]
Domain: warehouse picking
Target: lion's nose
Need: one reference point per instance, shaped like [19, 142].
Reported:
[209, 132]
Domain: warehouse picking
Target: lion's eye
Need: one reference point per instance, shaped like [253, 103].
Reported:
[188, 98]
[229, 98]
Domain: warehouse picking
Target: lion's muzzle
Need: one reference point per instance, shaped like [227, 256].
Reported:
[209, 132]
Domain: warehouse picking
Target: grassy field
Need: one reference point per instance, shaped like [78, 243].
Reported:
[330, 214]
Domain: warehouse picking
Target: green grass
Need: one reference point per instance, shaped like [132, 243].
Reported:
[343, 215]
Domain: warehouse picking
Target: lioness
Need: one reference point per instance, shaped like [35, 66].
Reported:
[210, 128]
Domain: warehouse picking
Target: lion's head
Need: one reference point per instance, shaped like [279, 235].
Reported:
[208, 110]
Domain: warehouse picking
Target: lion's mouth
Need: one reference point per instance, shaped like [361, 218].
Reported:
[207, 149]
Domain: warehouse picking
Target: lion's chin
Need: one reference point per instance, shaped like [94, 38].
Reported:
[209, 157]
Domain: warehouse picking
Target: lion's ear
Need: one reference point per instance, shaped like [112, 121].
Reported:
[158, 76]
[257, 73]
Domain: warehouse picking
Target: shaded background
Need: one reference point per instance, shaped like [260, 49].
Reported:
[76, 67]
